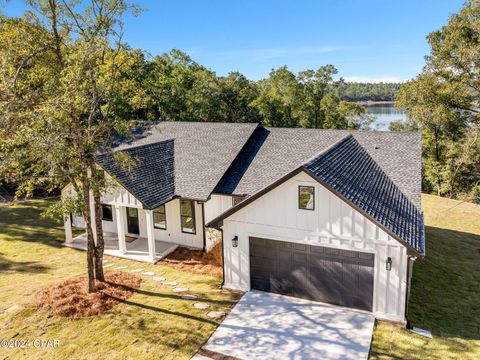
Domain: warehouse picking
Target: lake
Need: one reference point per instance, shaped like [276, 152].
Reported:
[384, 114]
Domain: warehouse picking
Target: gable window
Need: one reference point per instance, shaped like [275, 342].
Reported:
[107, 213]
[187, 216]
[160, 218]
[306, 197]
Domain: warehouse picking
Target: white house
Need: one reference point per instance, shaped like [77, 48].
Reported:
[332, 216]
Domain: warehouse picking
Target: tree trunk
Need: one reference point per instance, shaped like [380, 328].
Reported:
[90, 240]
[100, 246]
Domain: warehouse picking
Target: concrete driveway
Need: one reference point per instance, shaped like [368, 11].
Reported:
[270, 326]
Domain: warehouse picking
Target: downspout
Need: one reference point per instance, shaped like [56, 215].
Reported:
[410, 259]
[223, 259]
[203, 227]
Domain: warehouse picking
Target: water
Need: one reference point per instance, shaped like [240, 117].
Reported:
[384, 114]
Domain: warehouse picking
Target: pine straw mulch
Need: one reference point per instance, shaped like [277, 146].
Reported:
[196, 261]
[70, 298]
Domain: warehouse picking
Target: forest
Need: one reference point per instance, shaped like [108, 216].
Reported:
[366, 92]
[51, 75]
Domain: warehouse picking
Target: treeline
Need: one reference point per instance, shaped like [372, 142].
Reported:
[173, 87]
[356, 91]
[443, 103]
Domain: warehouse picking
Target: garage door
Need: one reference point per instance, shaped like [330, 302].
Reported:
[334, 276]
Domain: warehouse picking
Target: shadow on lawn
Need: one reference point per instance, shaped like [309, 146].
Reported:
[23, 222]
[22, 266]
[232, 302]
[445, 294]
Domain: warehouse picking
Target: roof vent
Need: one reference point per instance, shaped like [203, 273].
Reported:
[377, 147]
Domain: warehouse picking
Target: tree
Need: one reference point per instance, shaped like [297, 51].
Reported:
[236, 95]
[314, 86]
[443, 101]
[278, 97]
[64, 74]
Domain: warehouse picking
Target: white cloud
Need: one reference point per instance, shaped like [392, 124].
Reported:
[374, 79]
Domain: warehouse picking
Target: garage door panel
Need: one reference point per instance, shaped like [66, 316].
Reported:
[335, 276]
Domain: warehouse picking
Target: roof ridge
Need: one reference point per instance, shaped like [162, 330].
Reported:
[136, 147]
[328, 149]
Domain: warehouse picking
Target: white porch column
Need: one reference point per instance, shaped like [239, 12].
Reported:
[68, 228]
[150, 235]
[122, 246]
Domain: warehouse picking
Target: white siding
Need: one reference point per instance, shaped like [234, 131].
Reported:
[333, 223]
[174, 233]
[116, 195]
[216, 205]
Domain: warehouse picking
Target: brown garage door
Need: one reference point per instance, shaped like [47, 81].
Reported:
[334, 276]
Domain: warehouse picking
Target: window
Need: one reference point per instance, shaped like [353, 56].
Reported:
[107, 213]
[236, 200]
[306, 197]
[160, 218]
[187, 216]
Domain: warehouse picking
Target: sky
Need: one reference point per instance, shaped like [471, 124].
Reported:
[366, 40]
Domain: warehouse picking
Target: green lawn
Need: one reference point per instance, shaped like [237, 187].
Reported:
[445, 289]
[155, 323]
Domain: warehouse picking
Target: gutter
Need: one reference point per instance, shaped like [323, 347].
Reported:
[223, 260]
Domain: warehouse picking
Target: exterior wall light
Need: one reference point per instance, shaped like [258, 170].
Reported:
[235, 241]
[389, 263]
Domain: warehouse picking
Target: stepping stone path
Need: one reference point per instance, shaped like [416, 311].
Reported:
[201, 306]
[120, 267]
[172, 283]
[136, 270]
[159, 278]
[180, 289]
[148, 273]
[216, 314]
[189, 297]
[108, 265]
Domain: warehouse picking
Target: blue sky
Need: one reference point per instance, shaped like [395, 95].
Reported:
[365, 39]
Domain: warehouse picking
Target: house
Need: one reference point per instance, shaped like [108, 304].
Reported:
[327, 215]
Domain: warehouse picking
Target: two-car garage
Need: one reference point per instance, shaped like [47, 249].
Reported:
[331, 275]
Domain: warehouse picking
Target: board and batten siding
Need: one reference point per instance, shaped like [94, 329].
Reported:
[174, 233]
[216, 205]
[333, 223]
[117, 195]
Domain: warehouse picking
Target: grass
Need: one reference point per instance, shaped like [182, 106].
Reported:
[154, 323]
[445, 295]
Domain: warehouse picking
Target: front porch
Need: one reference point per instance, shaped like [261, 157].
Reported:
[135, 250]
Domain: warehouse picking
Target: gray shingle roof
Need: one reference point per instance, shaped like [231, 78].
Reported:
[152, 179]
[350, 171]
[185, 159]
[273, 152]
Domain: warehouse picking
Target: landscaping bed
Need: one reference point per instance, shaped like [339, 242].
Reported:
[71, 299]
[197, 261]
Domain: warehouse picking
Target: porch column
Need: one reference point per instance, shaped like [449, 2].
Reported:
[150, 235]
[122, 246]
[68, 228]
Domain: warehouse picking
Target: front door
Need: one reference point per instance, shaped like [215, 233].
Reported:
[132, 221]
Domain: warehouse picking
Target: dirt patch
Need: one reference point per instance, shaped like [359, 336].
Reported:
[196, 261]
[70, 298]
